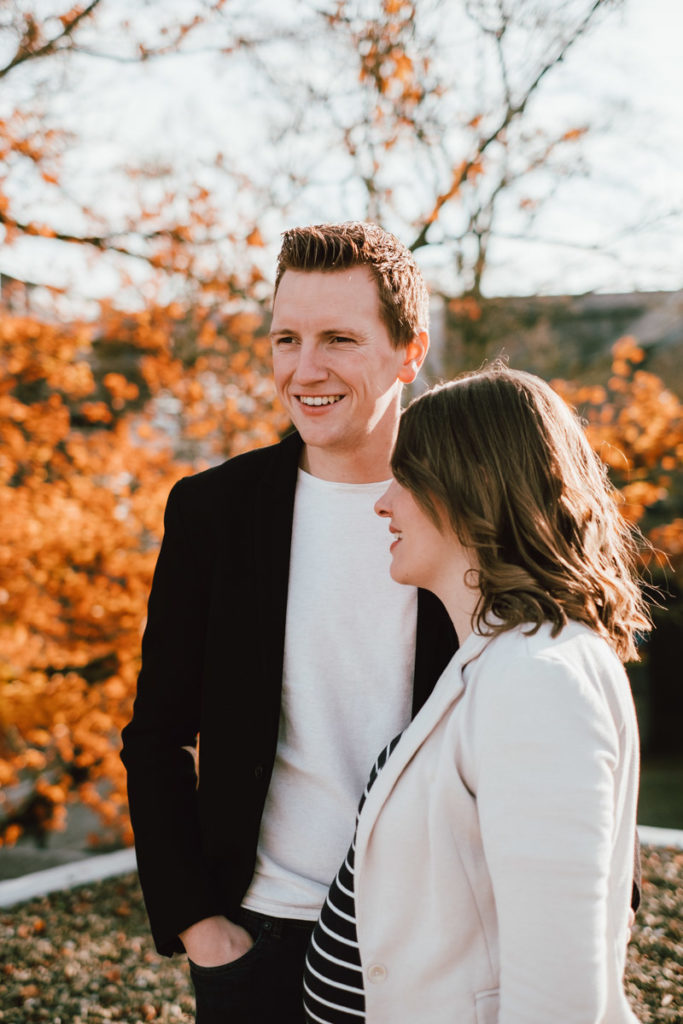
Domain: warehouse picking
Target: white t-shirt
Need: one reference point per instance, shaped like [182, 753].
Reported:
[347, 690]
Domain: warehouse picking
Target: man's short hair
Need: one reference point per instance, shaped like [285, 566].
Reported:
[403, 296]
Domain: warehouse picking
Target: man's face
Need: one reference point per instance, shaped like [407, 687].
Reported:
[336, 369]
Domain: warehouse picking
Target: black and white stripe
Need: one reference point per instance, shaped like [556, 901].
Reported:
[333, 976]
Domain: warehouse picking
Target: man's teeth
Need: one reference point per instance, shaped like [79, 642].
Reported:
[320, 399]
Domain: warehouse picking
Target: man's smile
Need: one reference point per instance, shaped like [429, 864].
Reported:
[319, 399]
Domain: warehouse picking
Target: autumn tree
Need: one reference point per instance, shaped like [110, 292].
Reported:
[635, 423]
[428, 116]
[417, 113]
[99, 415]
[443, 136]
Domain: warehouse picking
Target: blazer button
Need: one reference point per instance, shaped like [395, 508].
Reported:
[377, 973]
[258, 771]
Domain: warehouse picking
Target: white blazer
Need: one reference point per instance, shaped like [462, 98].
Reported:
[494, 853]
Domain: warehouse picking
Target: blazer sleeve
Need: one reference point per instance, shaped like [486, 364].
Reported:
[547, 749]
[162, 782]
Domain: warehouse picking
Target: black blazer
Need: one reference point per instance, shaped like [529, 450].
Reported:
[212, 657]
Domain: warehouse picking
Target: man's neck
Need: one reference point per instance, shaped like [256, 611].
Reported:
[346, 467]
[359, 457]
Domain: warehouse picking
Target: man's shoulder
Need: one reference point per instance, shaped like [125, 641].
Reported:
[244, 470]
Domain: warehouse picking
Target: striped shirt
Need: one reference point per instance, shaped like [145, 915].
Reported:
[333, 975]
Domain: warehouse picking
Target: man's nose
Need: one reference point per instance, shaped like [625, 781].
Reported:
[310, 366]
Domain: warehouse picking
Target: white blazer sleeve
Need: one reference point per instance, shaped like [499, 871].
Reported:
[545, 750]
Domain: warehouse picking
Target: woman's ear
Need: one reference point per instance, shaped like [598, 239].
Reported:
[414, 356]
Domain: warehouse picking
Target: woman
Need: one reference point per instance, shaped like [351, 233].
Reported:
[491, 870]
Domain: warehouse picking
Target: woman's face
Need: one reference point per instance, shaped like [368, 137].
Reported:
[422, 555]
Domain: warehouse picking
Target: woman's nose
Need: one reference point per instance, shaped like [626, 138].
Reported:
[383, 504]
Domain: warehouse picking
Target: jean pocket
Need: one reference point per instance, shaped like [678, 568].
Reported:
[222, 969]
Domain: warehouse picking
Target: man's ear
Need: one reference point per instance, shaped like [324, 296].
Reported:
[414, 356]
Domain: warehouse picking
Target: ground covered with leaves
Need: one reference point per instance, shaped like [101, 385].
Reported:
[85, 956]
[654, 973]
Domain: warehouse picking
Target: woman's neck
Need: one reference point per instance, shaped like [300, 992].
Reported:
[459, 592]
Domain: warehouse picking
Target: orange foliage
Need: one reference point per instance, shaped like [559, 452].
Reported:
[82, 498]
[636, 426]
[86, 462]
[392, 65]
[466, 307]
[99, 418]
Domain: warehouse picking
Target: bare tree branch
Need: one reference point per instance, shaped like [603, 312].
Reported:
[513, 112]
[24, 51]
[105, 242]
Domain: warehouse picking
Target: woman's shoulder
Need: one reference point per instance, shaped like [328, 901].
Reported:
[528, 640]
[525, 654]
[531, 685]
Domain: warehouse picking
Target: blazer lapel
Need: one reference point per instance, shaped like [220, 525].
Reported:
[273, 515]
[445, 695]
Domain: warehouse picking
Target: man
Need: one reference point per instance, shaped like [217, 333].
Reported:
[276, 632]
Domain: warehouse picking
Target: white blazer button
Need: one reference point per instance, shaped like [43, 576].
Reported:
[377, 973]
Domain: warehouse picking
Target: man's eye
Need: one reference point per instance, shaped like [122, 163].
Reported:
[342, 339]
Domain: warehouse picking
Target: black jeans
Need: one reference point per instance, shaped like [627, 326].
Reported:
[264, 985]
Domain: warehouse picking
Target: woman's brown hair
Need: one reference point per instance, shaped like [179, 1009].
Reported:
[501, 456]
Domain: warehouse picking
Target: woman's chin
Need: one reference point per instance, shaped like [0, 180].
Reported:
[402, 576]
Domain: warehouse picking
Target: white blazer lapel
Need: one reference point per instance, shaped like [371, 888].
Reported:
[446, 694]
